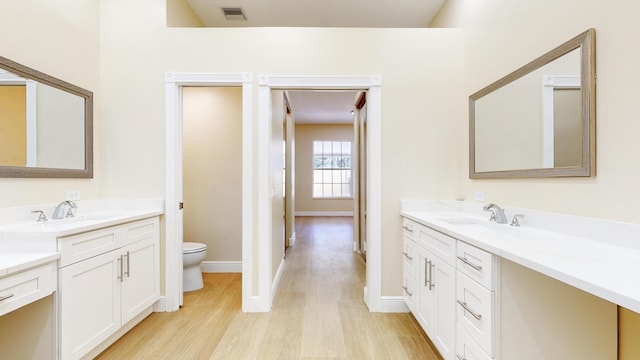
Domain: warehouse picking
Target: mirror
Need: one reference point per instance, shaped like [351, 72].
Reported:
[538, 121]
[46, 125]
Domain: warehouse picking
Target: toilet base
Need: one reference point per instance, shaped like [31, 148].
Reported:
[192, 278]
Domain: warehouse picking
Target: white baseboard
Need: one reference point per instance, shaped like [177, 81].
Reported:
[160, 305]
[221, 266]
[276, 281]
[324, 213]
[393, 304]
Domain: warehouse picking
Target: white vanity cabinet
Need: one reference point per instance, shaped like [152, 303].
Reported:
[434, 275]
[106, 278]
[450, 287]
[477, 302]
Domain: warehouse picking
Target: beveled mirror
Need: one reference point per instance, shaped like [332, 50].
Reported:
[46, 125]
[538, 121]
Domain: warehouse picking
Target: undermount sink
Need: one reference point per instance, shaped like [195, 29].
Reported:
[65, 223]
[463, 221]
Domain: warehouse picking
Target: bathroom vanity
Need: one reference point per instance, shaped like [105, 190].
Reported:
[546, 289]
[102, 267]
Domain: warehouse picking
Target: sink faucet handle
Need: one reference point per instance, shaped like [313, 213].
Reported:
[41, 216]
[516, 220]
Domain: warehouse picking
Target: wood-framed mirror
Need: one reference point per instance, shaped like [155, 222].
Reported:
[538, 121]
[46, 125]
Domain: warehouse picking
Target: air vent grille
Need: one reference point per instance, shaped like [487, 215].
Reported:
[234, 14]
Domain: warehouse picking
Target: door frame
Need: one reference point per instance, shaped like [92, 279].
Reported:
[174, 82]
[372, 84]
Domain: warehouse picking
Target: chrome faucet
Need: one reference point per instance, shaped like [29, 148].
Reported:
[497, 213]
[65, 209]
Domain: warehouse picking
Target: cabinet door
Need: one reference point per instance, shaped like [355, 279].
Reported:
[141, 280]
[443, 281]
[89, 303]
[426, 294]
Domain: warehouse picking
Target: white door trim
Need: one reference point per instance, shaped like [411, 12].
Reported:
[374, 159]
[173, 173]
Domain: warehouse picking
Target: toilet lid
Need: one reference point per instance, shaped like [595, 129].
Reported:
[191, 247]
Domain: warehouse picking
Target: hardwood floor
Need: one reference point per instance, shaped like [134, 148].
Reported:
[318, 313]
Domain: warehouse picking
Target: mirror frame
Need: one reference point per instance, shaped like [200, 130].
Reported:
[35, 172]
[586, 43]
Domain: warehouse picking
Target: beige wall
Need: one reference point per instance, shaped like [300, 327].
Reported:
[61, 39]
[420, 69]
[502, 35]
[306, 134]
[212, 165]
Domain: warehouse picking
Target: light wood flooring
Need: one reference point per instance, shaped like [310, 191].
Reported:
[318, 312]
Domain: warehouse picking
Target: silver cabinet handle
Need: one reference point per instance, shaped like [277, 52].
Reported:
[120, 274]
[426, 272]
[407, 228]
[406, 254]
[128, 267]
[460, 357]
[5, 297]
[466, 261]
[407, 291]
[432, 266]
[466, 307]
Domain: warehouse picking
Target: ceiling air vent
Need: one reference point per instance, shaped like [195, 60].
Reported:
[234, 14]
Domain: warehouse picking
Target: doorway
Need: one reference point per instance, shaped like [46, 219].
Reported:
[270, 260]
[328, 165]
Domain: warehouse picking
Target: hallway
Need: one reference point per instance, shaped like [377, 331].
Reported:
[318, 312]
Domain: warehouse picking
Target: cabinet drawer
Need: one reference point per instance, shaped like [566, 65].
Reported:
[409, 291]
[477, 264]
[409, 255]
[475, 311]
[140, 230]
[410, 228]
[442, 246]
[26, 287]
[83, 246]
[467, 349]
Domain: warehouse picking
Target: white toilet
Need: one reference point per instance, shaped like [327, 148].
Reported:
[192, 255]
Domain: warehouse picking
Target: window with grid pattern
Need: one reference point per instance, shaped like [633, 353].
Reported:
[332, 169]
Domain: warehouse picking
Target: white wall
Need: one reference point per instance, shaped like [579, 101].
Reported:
[421, 72]
[61, 39]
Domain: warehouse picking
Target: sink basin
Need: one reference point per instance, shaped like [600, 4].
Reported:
[462, 221]
[58, 225]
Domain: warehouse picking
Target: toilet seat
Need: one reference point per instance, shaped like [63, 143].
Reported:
[193, 247]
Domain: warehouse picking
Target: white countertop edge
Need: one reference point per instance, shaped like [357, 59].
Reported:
[10, 265]
[612, 283]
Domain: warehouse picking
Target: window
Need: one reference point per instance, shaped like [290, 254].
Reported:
[332, 169]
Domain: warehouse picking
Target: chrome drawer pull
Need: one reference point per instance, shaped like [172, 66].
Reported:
[426, 273]
[407, 291]
[466, 307]
[407, 228]
[120, 273]
[128, 267]
[5, 297]
[466, 261]
[406, 254]
[432, 266]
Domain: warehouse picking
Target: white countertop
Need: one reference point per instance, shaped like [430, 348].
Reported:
[603, 268]
[14, 262]
[25, 243]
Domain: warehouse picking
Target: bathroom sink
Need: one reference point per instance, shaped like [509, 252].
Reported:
[465, 221]
[58, 225]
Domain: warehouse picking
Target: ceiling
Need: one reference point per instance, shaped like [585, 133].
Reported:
[322, 107]
[319, 13]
